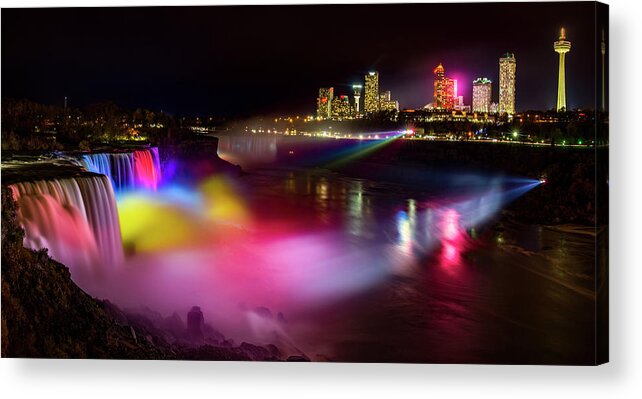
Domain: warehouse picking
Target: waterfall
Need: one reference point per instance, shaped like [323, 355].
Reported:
[147, 168]
[127, 170]
[74, 213]
[74, 217]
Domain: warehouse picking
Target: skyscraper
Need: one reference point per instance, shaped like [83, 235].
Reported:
[371, 100]
[356, 90]
[507, 67]
[562, 46]
[444, 89]
[482, 94]
[341, 108]
[451, 93]
[439, 87]
[324, 102]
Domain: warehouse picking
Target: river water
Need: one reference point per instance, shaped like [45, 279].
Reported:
[413, 275]
[346, 268]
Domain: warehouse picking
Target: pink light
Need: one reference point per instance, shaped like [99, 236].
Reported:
[452, 239]
[146, 172]
[450, 224]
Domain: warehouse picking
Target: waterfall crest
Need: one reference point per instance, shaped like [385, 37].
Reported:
[126, 170]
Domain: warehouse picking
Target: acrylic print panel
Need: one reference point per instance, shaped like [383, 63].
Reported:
[332, 183]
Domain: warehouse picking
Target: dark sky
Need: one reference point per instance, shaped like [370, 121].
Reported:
[272, 59]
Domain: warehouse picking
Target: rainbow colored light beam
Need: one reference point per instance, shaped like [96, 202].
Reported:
[363, 148]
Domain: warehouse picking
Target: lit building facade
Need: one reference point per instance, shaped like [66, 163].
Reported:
[439, 87]
[482, 95]
[386, 103]
[324, 102]
[371, 98]
[341, 108]
[561, 47]
[444, 89]
[451, 94]
[507, 69]
[460, 106]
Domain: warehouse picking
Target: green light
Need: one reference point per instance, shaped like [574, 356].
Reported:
[350, 156]
[515, 134]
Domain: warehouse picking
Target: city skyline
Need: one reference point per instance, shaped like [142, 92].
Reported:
[193, 70]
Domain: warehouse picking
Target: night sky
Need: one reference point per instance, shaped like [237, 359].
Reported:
[243, 61]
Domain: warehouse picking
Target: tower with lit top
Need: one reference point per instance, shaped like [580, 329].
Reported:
[356, 91]
[562, 46]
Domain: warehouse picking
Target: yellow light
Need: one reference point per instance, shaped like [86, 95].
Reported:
[146, 225]
[222, 202]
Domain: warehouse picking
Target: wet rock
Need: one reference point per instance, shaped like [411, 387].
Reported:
[259, 353]
[195, 323]
[212, 335]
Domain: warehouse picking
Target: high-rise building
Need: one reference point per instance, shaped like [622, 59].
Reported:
[451, 93]
[341, 108]
[371, 99]
[356, 91]
[439, 86]
[482, 95]
[324, 102]
[507, 67]
[562, 46]
[444, 89]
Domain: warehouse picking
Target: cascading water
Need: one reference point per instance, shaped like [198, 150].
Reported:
[147, 168]
[127, 170]
[75, 218]
[73, 213]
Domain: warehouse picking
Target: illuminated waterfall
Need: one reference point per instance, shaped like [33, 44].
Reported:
[75, 218]
[127, 170]
[147, 168]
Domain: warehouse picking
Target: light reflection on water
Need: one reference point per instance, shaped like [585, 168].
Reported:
[372, 271]
[448, 291]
